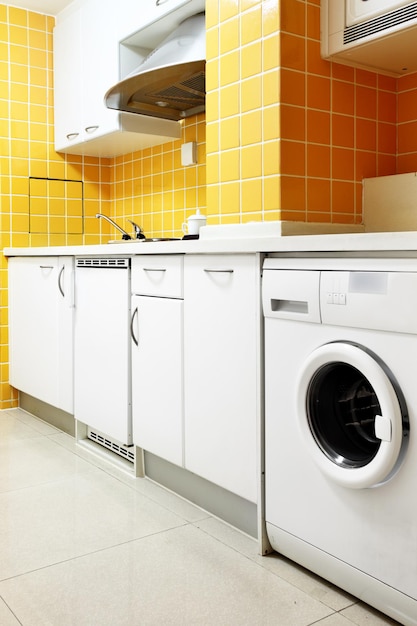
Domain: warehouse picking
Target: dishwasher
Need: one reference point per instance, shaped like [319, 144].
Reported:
[102, 388]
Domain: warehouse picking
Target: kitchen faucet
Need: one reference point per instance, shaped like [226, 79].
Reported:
[138, 231]
[125, 235]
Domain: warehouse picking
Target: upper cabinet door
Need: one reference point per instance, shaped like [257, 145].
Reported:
[137, 15]
[67, 81]
[101, 67]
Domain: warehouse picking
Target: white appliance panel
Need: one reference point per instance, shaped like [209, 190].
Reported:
[102, 397]
[361, 536]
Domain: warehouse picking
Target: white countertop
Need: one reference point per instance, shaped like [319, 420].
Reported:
[232, 243]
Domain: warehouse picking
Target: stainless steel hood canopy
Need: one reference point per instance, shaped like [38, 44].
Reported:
[170, 83]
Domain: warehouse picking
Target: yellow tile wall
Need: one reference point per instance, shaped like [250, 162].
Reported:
[286, 135]
[242, 110]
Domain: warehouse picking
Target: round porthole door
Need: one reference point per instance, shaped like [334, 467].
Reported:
[352, 415]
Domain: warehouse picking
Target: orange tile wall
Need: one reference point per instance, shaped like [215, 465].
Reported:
[338, 124]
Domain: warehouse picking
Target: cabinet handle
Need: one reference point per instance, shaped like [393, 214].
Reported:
[154, 269]
[91, 129]
[132, 334]
[72, 136]
[219, 271]
[159, 2]
[60, 275]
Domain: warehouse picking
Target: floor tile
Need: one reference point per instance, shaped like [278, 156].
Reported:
[363, 615]
[6, 616]
[180, 577]
[83, 542]
[308, 582]
[13, 429]
[147, 487]
[60, 520]
[334, 620]
[38, 425]
[33, 461]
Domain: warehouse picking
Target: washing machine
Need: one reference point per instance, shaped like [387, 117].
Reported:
[341, 423]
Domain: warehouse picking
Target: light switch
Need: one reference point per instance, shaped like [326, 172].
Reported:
[189, 153]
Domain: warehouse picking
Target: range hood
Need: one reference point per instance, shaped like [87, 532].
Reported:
[170, 82]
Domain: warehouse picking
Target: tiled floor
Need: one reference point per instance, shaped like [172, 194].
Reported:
[82, 543]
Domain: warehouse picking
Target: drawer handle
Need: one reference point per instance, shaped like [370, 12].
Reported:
[154, 269]
[72, 136]
[159, 2]
[91, 129]
[219, 271]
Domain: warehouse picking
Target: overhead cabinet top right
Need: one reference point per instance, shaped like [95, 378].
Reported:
[379, 35]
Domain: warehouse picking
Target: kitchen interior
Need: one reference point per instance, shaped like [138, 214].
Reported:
[272, 236]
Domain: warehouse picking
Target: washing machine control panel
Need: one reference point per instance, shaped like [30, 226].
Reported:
[375, 300]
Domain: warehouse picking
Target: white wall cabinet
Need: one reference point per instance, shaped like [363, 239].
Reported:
[157, 355]
[41, 328]
[136, 16]
[86, 65]
[221, 369]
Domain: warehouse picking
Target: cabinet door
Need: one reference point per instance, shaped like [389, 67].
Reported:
[68, 82]
[157, 376]
[41, 326]
[100, 52]
[221, 368]
[136, 16]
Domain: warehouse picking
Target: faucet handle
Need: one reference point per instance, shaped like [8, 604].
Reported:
[138, 230]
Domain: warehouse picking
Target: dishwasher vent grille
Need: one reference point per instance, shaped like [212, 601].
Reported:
[103, 262]
[106, 442]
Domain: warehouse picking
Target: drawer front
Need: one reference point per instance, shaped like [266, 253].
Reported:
[158, 275]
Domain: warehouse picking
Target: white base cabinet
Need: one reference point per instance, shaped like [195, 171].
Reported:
[221, 369]
[157, 355]
[41, 315]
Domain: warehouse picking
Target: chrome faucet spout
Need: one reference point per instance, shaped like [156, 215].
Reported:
[125, 235]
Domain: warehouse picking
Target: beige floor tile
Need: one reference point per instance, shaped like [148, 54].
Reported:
[38, 425]
[180, 577]
[363, 615]
[63, 519]
[308, 582]
[6, 616]
[148, 488]
[13, 429]
[28, 462]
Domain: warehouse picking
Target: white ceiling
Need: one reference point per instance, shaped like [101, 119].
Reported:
[50, 7]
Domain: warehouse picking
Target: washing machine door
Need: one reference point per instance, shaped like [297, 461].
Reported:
[352, 415]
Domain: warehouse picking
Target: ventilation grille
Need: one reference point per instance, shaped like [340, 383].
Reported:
[381, 23]
[126, 453]
[103, 262]
[192, 90]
